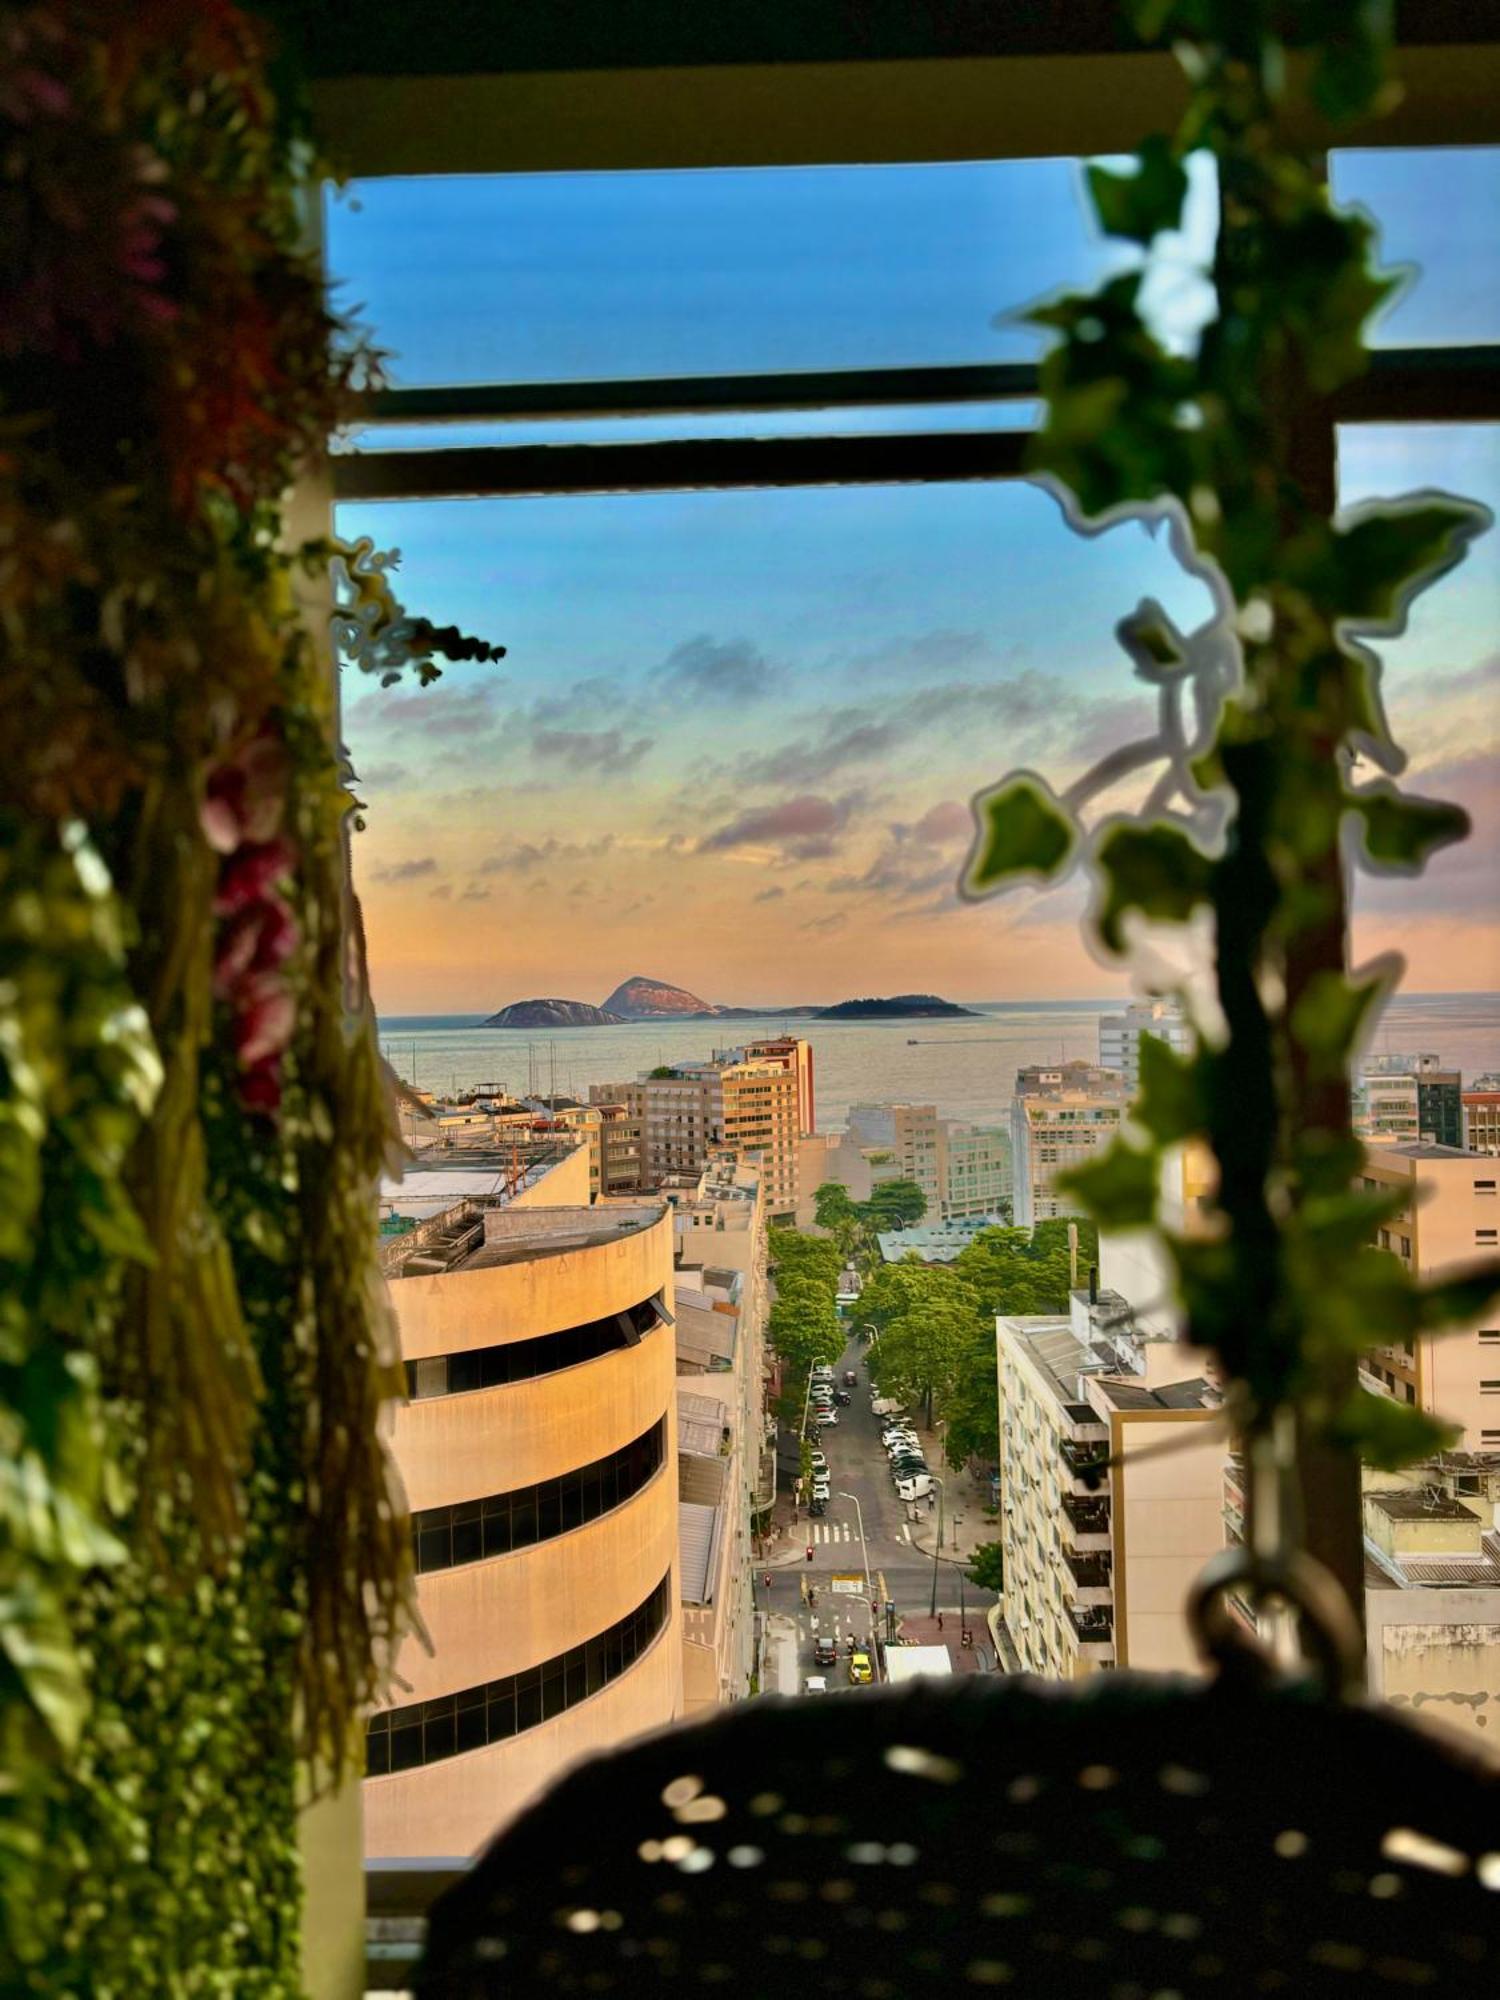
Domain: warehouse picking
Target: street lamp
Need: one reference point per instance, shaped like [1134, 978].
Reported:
[937, 1545]
[864, 1556]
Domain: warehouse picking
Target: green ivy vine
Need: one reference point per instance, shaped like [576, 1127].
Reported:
[1231, 443]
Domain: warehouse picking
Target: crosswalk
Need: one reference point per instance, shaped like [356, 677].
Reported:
[830, 1531]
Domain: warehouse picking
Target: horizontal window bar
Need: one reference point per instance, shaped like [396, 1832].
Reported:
[678, 466]
[821, 389]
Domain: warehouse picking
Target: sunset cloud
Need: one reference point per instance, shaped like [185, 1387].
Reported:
[590, 749]
[405, 871]
[718, 670]
[805, 828]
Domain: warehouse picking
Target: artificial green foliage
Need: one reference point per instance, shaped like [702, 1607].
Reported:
[1022, 827]
[1232, 440]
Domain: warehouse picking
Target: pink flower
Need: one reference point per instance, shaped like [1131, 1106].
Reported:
[265, 1019]
[248, 876]
[260, 1089]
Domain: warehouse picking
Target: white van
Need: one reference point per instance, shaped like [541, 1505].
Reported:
[888, 1406]
[916, 1488]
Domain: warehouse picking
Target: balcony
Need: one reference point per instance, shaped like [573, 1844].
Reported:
[1234, 1495]
[1087, 1460]
[1094, 1625]
[1089, 1572]
[1089, 1518]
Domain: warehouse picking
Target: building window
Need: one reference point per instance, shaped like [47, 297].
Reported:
[443, 1537]
[524, 1360]
[425, 1732]
[1486, 1236]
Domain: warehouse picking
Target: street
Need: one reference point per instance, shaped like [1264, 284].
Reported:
[900, 1573]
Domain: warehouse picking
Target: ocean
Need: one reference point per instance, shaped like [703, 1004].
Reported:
[965, 1067]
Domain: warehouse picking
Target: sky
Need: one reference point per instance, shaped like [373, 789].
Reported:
[736, 734]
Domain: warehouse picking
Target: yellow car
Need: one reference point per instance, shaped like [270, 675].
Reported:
[860, 1670]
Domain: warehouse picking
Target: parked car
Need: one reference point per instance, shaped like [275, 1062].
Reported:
[899, 1444]
[820, 1461]
[826, 1418]
[825, 1651]
[860, 1670]
[917, 1487]
[822, 1372]
[817, 1508]
[887, 1406]
[815, 1684]
[906, 1468]
[822, 1489]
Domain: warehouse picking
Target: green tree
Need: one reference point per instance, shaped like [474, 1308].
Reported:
[834, 1211]
[987, 1567]
[893, 1204]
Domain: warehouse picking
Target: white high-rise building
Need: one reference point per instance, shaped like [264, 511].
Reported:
[1120, 1035]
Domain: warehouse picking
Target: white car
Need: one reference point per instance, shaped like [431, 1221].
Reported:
[822, 1489]
[815, 1684]
[819, 1462]
[916, 1488]
[825, 1418]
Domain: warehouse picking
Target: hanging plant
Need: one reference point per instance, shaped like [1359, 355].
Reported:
[1268, 718]
[203, 1551]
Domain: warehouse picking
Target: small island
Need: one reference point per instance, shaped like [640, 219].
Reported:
[900, 1007]
[552, 1014]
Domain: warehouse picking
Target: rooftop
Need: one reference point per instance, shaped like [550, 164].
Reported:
[479, 1233]
[1421, 1503]
[1422, 1149]
[1195, 1394]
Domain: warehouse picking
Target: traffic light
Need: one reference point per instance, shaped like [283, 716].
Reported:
[809, 1552]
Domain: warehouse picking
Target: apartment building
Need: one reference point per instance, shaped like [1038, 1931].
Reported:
[676, 1116]
[1387, 1108]
[978, 1171]
[1120, 1036]
[1481, 1120]
[795, 1055]
[725, 1453]
[1060, 1117]
[1449, 1218]
[1103, 1529]
[1432, 1593]
[915, 1139]
[539, 1455]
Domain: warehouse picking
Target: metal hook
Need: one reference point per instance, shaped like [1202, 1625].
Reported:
[1327, 1622]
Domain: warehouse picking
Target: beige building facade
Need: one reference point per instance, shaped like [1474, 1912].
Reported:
[1449, 1218]
[1481, 1121]
[539, 1453]
[1060, 1118]
[1103, 1526]
[976, 1171]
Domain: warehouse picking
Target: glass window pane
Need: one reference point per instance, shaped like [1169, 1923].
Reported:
[1436, 207]
[530, 277]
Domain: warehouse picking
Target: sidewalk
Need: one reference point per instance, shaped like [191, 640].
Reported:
[965, 1498]
[945, 1630]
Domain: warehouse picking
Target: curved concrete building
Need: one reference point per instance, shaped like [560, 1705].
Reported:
[539, 1451]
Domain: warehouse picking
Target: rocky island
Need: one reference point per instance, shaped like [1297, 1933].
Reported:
[900, 1007]
[642, 999]
[552, 1014]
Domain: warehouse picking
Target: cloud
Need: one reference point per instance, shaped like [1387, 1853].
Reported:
[405, 871]
[382, 777]
[591, 749]
[944, 651]
[442, 892]
[435, 711]
[770, 895]
[721, 670]
[800, 763]
[805, 827]
[940, 825]
[1459, 881]
[477, 892]
[528, 855]
[826, 925]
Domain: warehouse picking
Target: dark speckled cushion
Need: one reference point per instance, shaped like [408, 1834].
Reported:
[1136, 1838]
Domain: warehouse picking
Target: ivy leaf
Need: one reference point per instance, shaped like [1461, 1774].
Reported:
[1388, 1434]
[1171, 1104]
[1401, 831]
[1022, 831]
[1328, 1017]
[1451, 1301]
[1374, 563]
[1119, 1188]
[1140, 205]
[1154, 869]
[37, 1645]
